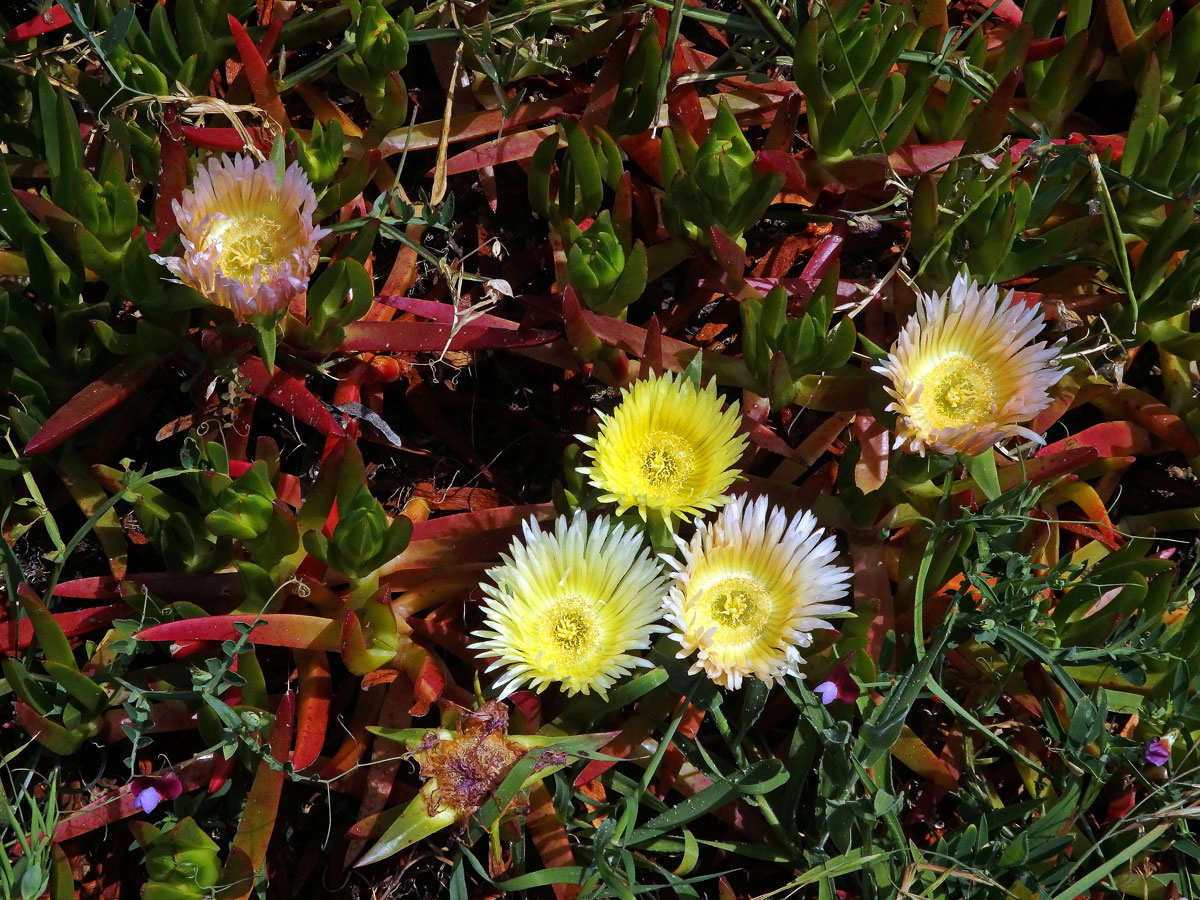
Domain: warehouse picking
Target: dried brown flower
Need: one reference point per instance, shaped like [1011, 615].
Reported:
[469, 766]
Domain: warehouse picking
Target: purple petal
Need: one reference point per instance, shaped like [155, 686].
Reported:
[1158, 752]
[847, 688]
[168, 786]
[827, 691]
[147, 799]
[151, 790]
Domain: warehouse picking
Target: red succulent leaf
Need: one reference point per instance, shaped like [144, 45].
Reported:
[290, 394]
[1108, 439]
[1043, 468]
[249, 849]
[872, 594]
[510, 148]
[17, 634]
[43, 23]
[315, 694]
[1152, 414]
[436, 337]
[550, 837]
[266, 94]
[172, 178]
[94, 402]
[271, 629]
[228, 140]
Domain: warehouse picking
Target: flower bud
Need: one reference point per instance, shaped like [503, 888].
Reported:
[380, 42]
[360, 531]
[596, 259]
[242, 517]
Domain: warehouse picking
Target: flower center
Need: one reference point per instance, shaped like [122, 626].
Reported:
[958, 391]
[251, 242]
[665, 463]
[737, 606]
[569, 633]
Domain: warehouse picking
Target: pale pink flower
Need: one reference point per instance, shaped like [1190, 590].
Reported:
[965, 371]
[249, 243]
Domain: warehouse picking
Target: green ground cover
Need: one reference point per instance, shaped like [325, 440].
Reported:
[602, 450]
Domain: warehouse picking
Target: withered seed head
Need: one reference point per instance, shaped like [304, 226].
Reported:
[469, 766]
[489, 718]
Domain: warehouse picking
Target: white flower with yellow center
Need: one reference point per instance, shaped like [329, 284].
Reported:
[965, 371]
[668, 446]
[571, 607]
[751, 589]
[248, 238]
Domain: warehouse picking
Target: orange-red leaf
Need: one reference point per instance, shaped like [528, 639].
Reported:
[95, 401]
[16, 634]
[266, 94]
[43, 23]
[273, 629]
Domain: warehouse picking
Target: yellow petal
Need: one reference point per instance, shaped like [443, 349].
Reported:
[667, 447]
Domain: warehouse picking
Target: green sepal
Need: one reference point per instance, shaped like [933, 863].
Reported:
[414, 823]
[265, 338]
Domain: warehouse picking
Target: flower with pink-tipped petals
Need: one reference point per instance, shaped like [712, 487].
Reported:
[249, 243]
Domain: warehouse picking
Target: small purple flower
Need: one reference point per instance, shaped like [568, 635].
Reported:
[840, 686]
[151, 790]
[1158, 751]
[147, 799]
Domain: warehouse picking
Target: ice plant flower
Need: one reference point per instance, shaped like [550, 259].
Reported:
[965, 371]
[668, 446]
[248, 238]
[463, 768]
[571, 606]
[751, 589]
[469, 765]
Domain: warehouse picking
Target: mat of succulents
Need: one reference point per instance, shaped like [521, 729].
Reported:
[596, 450]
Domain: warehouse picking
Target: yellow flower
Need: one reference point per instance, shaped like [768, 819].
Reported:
[667, 447]
[248, 238]
[751, 589]
[965, 371]
[571, 606]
